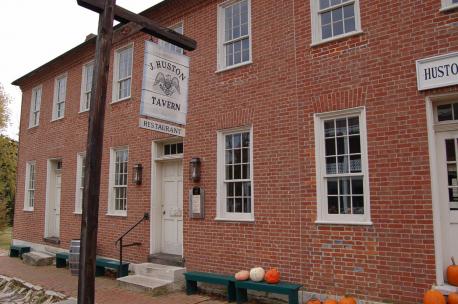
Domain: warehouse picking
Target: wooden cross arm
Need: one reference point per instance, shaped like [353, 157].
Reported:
[148, 26]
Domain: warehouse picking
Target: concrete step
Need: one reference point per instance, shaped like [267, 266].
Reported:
[166, 259]
[161, 272]
[153, 286]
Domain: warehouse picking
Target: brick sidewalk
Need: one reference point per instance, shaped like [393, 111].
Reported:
[107, 290]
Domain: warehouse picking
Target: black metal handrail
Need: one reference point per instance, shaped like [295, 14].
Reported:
[119, 240]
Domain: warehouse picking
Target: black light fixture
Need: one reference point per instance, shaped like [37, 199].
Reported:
[137, 176]
[194, 169]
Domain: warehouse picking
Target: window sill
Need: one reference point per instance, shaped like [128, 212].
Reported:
[32, 127]
[78, 213]
[27, 209]
[235, 66]
[83, 111]
[449, 8]
[124, 214]
[57, 119]
[353, 223]
[223, 219]
[120, 100]
[332, 39]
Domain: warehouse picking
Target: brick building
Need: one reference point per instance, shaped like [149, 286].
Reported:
[324, 151]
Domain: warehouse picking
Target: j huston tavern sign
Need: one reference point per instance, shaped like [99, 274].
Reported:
[436, 72]
[165, 84]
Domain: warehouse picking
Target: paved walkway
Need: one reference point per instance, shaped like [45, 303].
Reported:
[107, 290]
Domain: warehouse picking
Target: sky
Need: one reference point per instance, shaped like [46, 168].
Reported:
[33, 32]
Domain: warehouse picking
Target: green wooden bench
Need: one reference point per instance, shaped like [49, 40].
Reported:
[193, 277]
[18, 250]
[100, 265]
[289, 289]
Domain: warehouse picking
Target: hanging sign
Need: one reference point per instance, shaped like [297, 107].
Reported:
[161, 127]
[165, 84]
[436, 72]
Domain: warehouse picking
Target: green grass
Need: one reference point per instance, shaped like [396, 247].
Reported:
[5, 238]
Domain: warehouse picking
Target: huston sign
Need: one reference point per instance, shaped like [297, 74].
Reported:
[165, 84]
[437, 72]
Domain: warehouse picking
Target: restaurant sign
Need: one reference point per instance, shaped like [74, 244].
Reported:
[161, 127]
[165, 84]
[436, 72]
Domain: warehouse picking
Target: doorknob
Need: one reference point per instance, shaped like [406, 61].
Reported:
[163, 212]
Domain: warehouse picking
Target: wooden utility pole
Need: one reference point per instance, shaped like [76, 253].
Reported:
[108, 11]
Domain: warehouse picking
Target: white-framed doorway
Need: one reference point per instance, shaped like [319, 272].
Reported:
[166, 222]
[53, 198]
[443, 155]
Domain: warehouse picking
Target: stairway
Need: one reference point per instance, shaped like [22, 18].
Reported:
[155, 279]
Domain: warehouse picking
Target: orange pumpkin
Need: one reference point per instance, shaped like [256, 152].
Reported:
[330, 301]
[313, 301]
[452, 298]
[347, 300]
[272, 276]
[452, 273]
[433, 297]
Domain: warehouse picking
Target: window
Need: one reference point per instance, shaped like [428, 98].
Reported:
[29, 201]
[235, 171]
[35, 107]
[60, 92]
[171, 47]
[86, 86]
[342, 170]
[173, 149]
[234, 31]
[80, 167]
[447, 112]
[449, 4]
[333, 19]
[122, 73]
[118, 181]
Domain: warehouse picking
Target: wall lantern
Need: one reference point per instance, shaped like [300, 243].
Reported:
[194, 169]
[137, 176]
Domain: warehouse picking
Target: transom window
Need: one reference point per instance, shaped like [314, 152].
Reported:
[334, 18]
[173, 149]
[35, 107]
[119, 169]
[171, 47]
[234, 32]
[342, 167]
[86, 86]
[451, 148]
[60, 96]
[235, 167]
[123, 73]
[447, 112]
[29, 202]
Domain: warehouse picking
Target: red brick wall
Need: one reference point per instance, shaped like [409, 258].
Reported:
[289, 81]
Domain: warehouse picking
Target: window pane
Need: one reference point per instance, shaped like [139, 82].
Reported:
[358, 205]
[326, 18]
[453, 194]
[245, 49]
[247, 205]
[245, 155]
[451, 173]
[450, 149]
[329, 128]
[335, 2]
[173, 149]
[333, 205]
[228, 141]
[342, 145]
[355, 163]
[230, 189]
[342, 164]
[324, 4]
[167, 150]
[337, 14]
[230, 205]
[357, 185]
[326, 31]
[237, 156]
[355, 145]
[353, 125]
[238, 205]
[237, 172]
[229, 159]
[180, 148]
[337, 28]
[332, 187]
[246, 171]
[349, 11]
[238, 189]
[247, 189]
[341, 127]
[350, 25]
[229, 172]
[444, 112]
[330, 147]
[331, 165]
[237, 140]
[345, 204]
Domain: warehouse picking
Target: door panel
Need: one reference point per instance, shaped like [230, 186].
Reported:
[172, 207]
[57, 204]
[447, 164]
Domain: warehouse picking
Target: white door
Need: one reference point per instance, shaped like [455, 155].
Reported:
[447, 164]
[57, 204]
[172, 207]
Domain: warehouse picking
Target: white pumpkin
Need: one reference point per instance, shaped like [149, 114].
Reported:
[257, 274]
[242, 275]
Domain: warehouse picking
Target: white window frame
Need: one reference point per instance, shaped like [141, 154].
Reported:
[448, 5]
[27, 206]
[111, 201]
[35, 105]
[316, 23]
[179, 28]
[56, 95]
[221, 214]
[221, 50]
[84, 92]
[322, 203]
[80, 166]
[116, 80]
